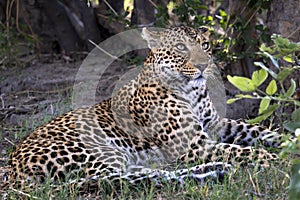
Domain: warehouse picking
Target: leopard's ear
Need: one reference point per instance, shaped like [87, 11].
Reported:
[151, 37]
[205, 31]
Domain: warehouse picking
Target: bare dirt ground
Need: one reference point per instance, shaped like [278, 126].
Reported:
[42, 89]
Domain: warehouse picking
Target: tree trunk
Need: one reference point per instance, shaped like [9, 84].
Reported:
[284, 18]
[61, 26]
[245, 16]
[144, 12]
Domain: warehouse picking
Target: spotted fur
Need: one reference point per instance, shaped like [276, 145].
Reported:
[162, 118]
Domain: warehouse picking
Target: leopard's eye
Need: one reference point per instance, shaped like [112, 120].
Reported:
[181, 47]
[205, 45]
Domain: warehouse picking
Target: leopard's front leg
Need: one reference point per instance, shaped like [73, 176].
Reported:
[205, 150]
[241, 133]
[233, 153]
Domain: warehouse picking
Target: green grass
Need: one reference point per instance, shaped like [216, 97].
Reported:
[243, 183]
[29, 123]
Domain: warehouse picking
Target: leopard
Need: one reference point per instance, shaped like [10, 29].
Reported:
[161, 119]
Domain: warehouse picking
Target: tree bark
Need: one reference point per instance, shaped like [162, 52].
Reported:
[243, 15]
[144, 12]
[284, 18]
[62, 26]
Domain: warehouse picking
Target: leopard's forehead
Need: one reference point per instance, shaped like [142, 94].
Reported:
[182, 33]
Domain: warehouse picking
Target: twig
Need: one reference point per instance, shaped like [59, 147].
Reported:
[32, 35]
[2, 101]
[1, 61]
[236, 19]
[10, 142]
[249, 20]
[112, 9]
[153, 4]
[42, 92]
[254, 186]
[296, 31]
[98, 47]
[25, 194]
[14, 129]
[8, 10]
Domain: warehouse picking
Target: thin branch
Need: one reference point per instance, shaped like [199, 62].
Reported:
[153, 4]
[257, 192]
[10, 142]
[98, 47]
[296, 31]
[111, 8]
[25, 194]
[2, 101]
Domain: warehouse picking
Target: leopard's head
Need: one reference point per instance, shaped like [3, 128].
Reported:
[178, 54]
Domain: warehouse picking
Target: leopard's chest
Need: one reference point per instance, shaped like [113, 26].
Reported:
[201, 105]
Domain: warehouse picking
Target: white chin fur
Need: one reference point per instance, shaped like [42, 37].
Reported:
[197, 82]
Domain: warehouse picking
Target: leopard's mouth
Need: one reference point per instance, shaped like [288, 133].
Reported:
[198, 76]
[197, 80]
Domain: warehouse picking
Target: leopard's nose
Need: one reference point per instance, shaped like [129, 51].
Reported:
[202, 67]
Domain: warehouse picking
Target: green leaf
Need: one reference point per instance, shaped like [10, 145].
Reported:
[264, 104]
[267, 113]
[292, 88]
[297, 103]
[272, 88]
[296, 115]
[281, 76]
[256, 119]
[280, 41]
[259, 76]
[291, 126]
[288, 59]
[263, 48]
[242, 83]
[223, 13]
[230, 101]
[262, 65]
[294, 188]
[271, 108]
